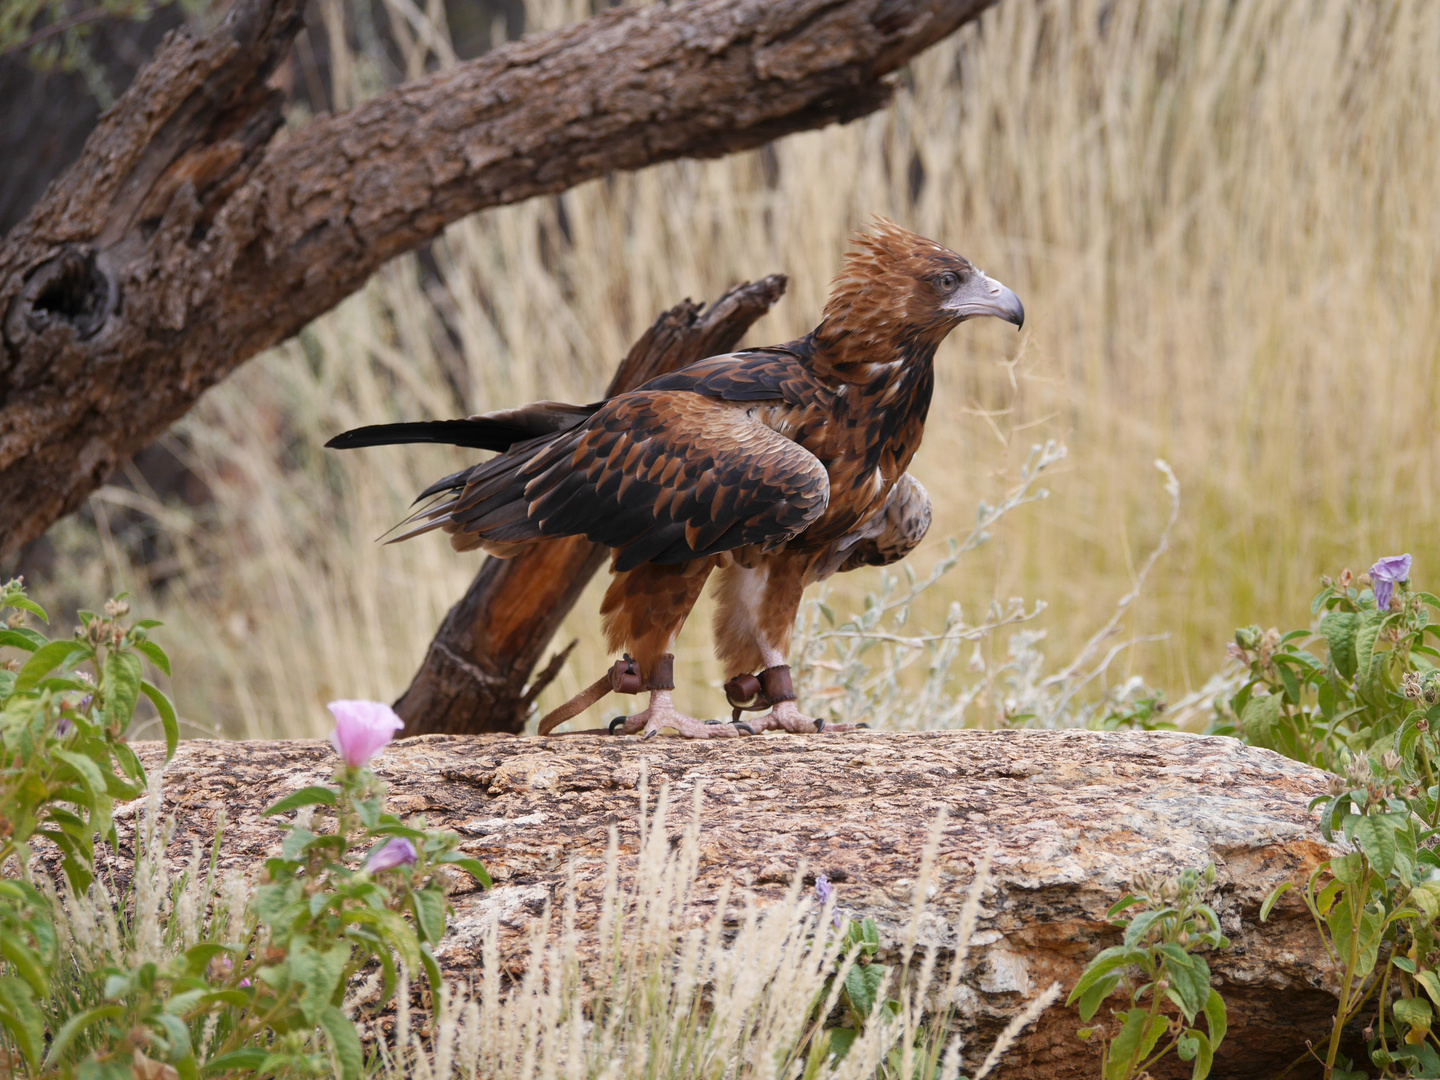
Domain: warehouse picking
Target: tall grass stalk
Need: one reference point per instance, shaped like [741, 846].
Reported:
[1222, 220]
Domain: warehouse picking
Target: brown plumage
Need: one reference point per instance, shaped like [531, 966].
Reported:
[774, 467]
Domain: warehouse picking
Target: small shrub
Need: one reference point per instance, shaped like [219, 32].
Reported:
[1165, 978]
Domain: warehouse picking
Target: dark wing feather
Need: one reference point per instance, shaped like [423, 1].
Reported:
[663, 476]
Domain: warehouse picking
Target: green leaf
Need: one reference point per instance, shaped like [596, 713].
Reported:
[1375, 833]
[469, 865]
[1372, 924]
[20, 638]
[307, 796]
[1204, 1054]
[1346, 868]
[46, 660]
[1260, 722]
[155, 654]
[1136, 1038]
[1431, 982]
[176, 1033]
[344, 1042]
[121, 685]
[1416, 1014]
[1190, 985]
[86, 771]
[318, 971]
[432, 972]
[75, 1025]
[1141, 924]
[26, 964]
[1339, 628]
[29, 605]
[241, 1061]
[166, 710]
[198, 957]
[1215, 1018]
[1365, 639]
[1097, 992]
[1275, 894]
[20, 1016]
[1106, 961]
[429, 907]
[840, 1042]
[863, 983]
[1126, 901]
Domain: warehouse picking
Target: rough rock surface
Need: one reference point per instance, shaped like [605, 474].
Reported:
[1071, 818]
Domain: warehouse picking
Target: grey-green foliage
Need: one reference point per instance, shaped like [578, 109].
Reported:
[1162, 970]
[1359, 695]
[205, 978]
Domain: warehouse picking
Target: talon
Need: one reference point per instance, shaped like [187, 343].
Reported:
[712, 723]
[819, 726]
[862, 724]
[617, 722]
[650, 734]
[746, 728]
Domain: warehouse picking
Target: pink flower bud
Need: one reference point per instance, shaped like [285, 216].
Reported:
[362, 728]
[395, 852]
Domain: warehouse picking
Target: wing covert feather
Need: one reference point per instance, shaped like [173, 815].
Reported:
[661, 475]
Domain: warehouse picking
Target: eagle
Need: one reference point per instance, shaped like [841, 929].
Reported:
[769, 468]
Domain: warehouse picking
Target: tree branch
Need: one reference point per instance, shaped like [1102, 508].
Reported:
[183, 241]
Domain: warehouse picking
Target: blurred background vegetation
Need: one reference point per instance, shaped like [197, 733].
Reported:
[1223, 220]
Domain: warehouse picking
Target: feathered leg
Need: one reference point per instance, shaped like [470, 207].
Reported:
[754, 620]
[643, 612]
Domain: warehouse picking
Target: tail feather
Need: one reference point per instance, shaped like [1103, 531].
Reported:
[497, 431]
[478, 433]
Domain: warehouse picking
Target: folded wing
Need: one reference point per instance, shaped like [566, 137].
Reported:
[659, 475]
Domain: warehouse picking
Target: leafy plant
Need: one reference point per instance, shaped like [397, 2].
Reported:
[1360, 696]
[64, 711]
[255, 987]
[1165, 979]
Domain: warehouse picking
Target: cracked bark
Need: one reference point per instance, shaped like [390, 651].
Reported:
[474, 675]
[1071, 818]
[186, 238]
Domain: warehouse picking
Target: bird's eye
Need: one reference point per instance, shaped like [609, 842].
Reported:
[948, 282]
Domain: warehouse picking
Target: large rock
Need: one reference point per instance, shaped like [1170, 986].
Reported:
[1070, 816]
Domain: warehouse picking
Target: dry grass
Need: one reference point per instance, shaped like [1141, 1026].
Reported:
[649, 990]
[1222, 219]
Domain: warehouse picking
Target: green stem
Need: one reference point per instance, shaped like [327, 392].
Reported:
[1429, 783]
[1352, 959]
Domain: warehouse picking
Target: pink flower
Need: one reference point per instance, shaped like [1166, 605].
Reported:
[387, 856]
[362, 728]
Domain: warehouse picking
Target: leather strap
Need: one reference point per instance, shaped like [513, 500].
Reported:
[663, 677]
[755, 693]
[622, 678]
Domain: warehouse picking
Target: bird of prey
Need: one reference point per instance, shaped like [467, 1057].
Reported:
[770, 468]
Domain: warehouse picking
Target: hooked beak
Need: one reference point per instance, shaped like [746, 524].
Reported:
[986, 296]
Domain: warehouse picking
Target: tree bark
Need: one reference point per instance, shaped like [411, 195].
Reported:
[184, 240]
[1070, 816]
[474, 676]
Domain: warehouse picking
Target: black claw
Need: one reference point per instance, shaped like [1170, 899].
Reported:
[862, 725]
[650, 735]
[712, 723]
[746, 728]
[819, 726]
[617, 722]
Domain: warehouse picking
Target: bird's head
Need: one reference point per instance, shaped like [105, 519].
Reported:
[895, 285]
